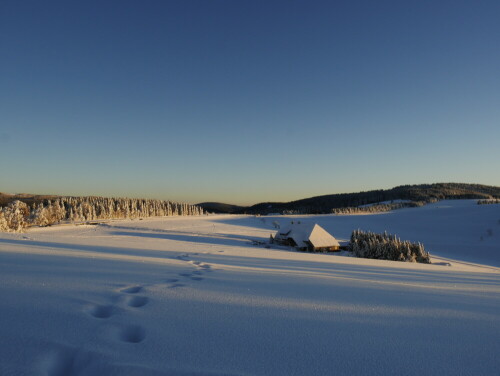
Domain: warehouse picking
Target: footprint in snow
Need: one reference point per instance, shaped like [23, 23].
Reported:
[132, 334]
[171, 280]
[137, 301]
[132, 289]
[176, 285]
[102, 311]
[66, 361]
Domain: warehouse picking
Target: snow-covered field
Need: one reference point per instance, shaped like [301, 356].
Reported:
[193, 296]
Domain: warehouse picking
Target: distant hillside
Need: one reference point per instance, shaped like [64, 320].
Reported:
[325, 204]
[220, 208]
[28, 198]
[421, 192]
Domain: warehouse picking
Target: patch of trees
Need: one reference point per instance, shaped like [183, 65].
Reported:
[386, 247]
[18, 215]
[377, 208]
[490, 201]
[14, 217]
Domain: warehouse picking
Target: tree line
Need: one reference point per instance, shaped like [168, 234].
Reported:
[490, 201]
[377, 208]
[18, 215]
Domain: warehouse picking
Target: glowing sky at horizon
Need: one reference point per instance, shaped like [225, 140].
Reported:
[247, 101]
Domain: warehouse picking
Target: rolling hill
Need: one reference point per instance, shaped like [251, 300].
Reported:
[421, 192]
[218, 207]
[325, 203]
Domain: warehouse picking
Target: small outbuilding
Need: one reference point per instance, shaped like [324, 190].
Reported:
[306, 237]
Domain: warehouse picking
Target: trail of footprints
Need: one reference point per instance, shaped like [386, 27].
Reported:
[127, 333]
[133, 296]
[72, 361]
[193, 275]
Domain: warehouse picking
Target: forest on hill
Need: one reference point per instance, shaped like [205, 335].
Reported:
[421, 193]
[417, 194]
[220, 208]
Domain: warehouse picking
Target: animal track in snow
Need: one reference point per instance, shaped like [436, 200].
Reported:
[137, 301]
[102, 311]
[171, 280]
[197, 278]
[132, 334]
[132, 289]
[175, 285]
[66, 362]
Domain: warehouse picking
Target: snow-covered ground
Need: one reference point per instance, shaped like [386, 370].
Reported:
[458, 229]
[193, 296]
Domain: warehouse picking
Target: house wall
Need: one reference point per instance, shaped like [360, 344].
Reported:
[326, 249]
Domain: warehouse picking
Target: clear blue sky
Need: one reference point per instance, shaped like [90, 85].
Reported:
[247, 101]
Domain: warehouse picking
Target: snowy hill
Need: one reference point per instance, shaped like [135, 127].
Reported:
[218, 208]
[420, 192]
[194, 296]
[450, 228]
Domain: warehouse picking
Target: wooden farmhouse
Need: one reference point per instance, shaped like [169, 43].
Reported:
[306, 237]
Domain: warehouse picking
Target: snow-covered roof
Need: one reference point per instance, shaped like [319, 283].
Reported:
[301, 233]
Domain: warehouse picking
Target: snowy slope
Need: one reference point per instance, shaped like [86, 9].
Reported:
[193, 296]
[453, 228]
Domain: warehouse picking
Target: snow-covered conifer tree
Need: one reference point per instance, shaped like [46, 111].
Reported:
[16, 216]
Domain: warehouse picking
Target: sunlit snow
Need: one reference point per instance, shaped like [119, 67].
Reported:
[201, 296]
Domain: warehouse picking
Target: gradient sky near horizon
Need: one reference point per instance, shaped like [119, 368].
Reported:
[247, 101]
